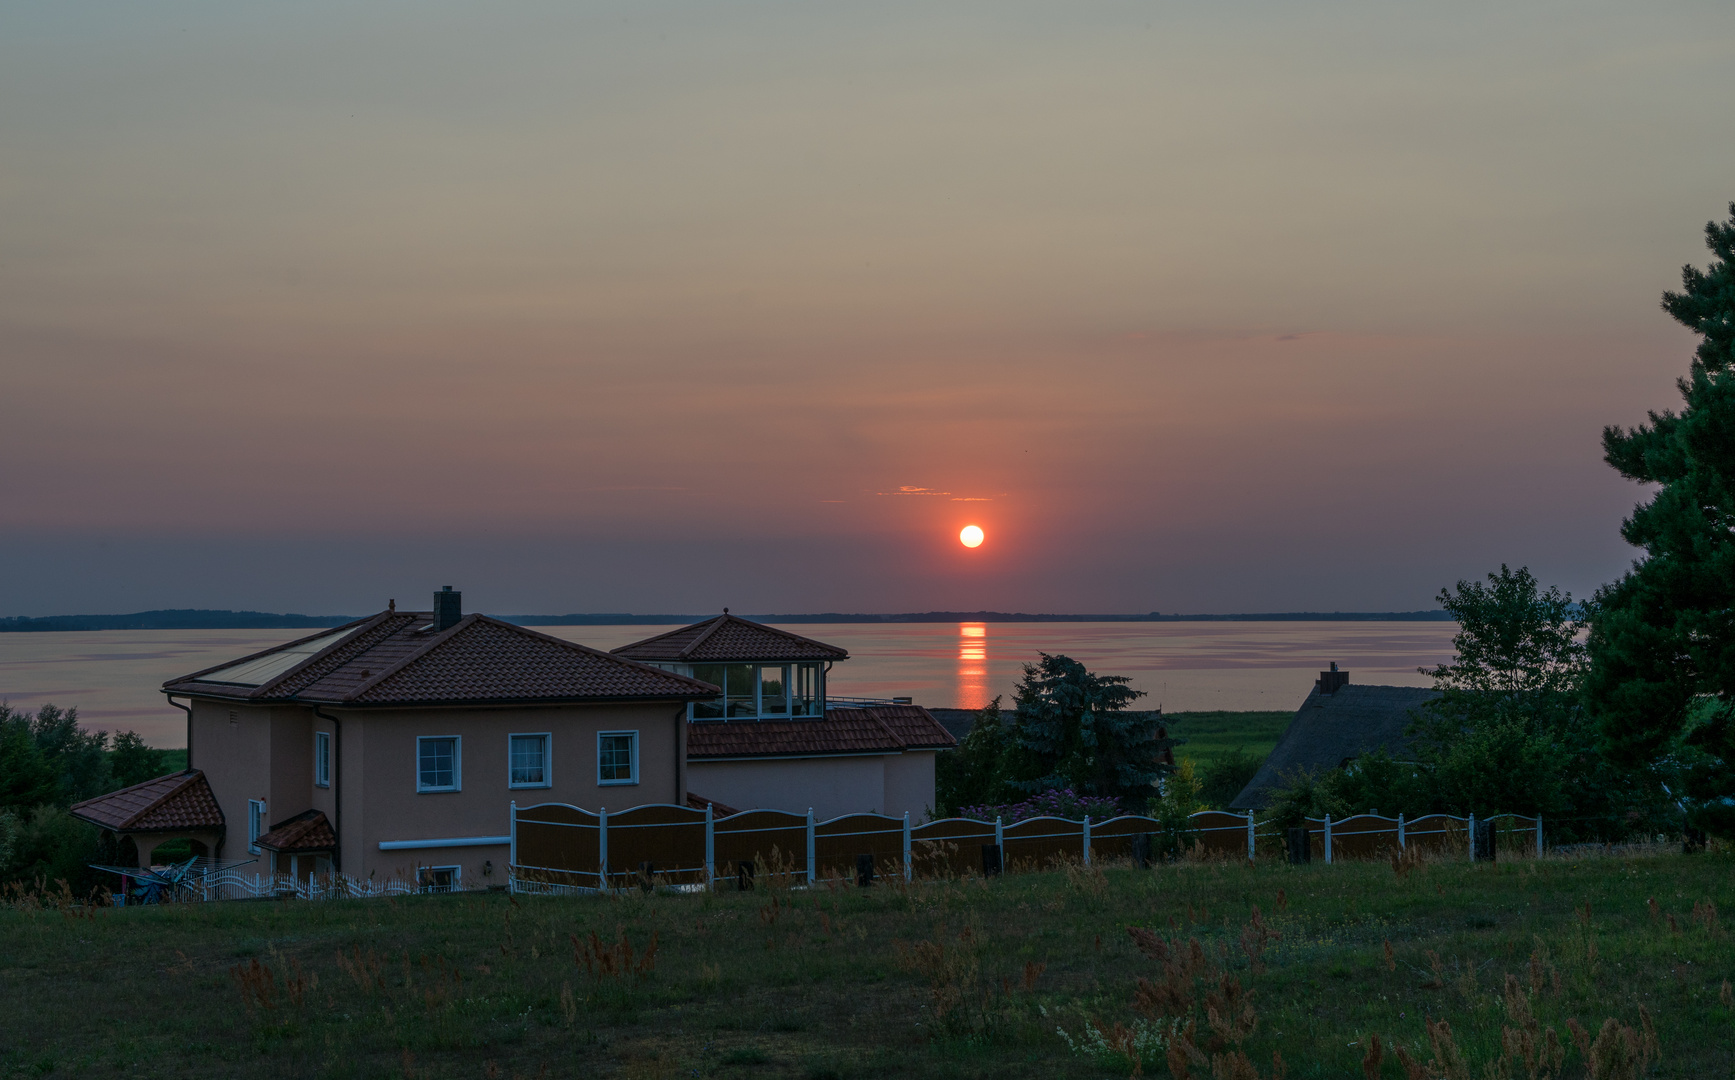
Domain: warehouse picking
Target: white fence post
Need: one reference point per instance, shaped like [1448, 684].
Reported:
[1400, 830]
[1472, 837]
[512, 851]
[909, 871]
[812, 849]
[1087, 839]
[1249, 836]
[1539, 836]
[602, 849]
[710, 847]
[1000, 835]
[1328, 839]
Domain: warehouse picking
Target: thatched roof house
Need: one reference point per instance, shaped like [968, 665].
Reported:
[1338, 723]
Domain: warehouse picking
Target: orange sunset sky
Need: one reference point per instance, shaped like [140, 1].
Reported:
[664, 307]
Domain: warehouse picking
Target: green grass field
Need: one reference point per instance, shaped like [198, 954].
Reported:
[943, 979]
[1209, 735]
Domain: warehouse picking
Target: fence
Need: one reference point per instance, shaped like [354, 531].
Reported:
[558, 848]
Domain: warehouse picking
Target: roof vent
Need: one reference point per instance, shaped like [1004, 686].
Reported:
[1329, 681]
[449, 608]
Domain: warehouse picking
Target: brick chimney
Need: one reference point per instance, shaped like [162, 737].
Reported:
[449, 608]
[1329, 681]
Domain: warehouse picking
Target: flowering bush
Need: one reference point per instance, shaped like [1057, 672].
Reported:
[1055, 802]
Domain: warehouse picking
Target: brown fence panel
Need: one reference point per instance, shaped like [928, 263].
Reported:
[557, 844]
[949, 846]
[1035, 843]
[671, 838]
[1438, 834]
[1113, 839]
[837, 842]
[751, 836]
[1219, 832]
[1364, 836]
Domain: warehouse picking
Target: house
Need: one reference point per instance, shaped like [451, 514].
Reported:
[773, 739]
[395, 745]
[1338, 723]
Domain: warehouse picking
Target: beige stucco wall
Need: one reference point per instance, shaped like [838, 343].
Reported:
[910, 784]
[382, 764]
[888, 784]
[268, 753]
[232, 744]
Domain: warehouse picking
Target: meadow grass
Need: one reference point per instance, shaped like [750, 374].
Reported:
[1210, 735]
[1029, 975]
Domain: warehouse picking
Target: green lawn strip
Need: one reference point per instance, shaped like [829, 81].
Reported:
[1209, 735]
[926, 981]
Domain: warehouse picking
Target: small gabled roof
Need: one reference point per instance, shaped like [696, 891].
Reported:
[306, 831]
[396, 658]
[875, 729]
[1332, 728]
[730, 639]
[178, 802]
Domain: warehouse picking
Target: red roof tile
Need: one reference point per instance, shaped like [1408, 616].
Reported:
[394, 658]
[174, 803]
[730, 638]
[699, 802]
[876, 729]
[306, 831]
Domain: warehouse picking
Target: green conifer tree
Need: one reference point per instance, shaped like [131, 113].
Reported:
[1662, 642]
[1074, 731]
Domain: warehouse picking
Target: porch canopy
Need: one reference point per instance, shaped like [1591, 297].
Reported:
[179, 806]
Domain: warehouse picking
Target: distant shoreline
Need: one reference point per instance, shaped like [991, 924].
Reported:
[205, 619]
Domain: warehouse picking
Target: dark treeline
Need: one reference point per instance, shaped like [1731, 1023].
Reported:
[47, 763]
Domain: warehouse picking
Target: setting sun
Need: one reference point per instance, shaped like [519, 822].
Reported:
[971, 536]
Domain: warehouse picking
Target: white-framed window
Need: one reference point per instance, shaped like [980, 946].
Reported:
[439, 878]
[256, 824]
[760, 691]
[322, 759]
[439, 763]
[617, 757]
[528, 763]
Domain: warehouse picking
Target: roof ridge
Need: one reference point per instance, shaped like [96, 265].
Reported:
[591, 650]
[427, 646]
[873, 711]
[705, 634]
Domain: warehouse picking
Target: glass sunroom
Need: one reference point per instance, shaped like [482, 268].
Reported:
[759, 691]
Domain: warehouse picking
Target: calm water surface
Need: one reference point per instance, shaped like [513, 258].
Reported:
[112, 676]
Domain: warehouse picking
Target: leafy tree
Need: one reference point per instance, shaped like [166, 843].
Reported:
[975, 773]
[1662, 642]
[1225, 776]
[1073, 730]
[132, 762]
[75, 754]
[1173, 810]
[26, 777]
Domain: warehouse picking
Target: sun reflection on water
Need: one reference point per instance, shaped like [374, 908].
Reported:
[972, 665]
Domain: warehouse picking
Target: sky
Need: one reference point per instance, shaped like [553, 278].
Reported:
[660, 307]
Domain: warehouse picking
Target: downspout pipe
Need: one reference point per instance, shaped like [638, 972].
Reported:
[336, 788]
[188, 709]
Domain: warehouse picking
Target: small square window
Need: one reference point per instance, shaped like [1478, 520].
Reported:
[438, 767]
[439, 878]
[528, 761]
[322, 759]
[617, 757]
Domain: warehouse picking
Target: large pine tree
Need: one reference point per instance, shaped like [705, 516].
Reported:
[1662, 642]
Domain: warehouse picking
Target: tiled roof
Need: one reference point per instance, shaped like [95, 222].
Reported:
[306, 831]
[1330, 729]
[395, 659]
[699, 802]
[730, 638]
[876, 729]
[178, 802]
